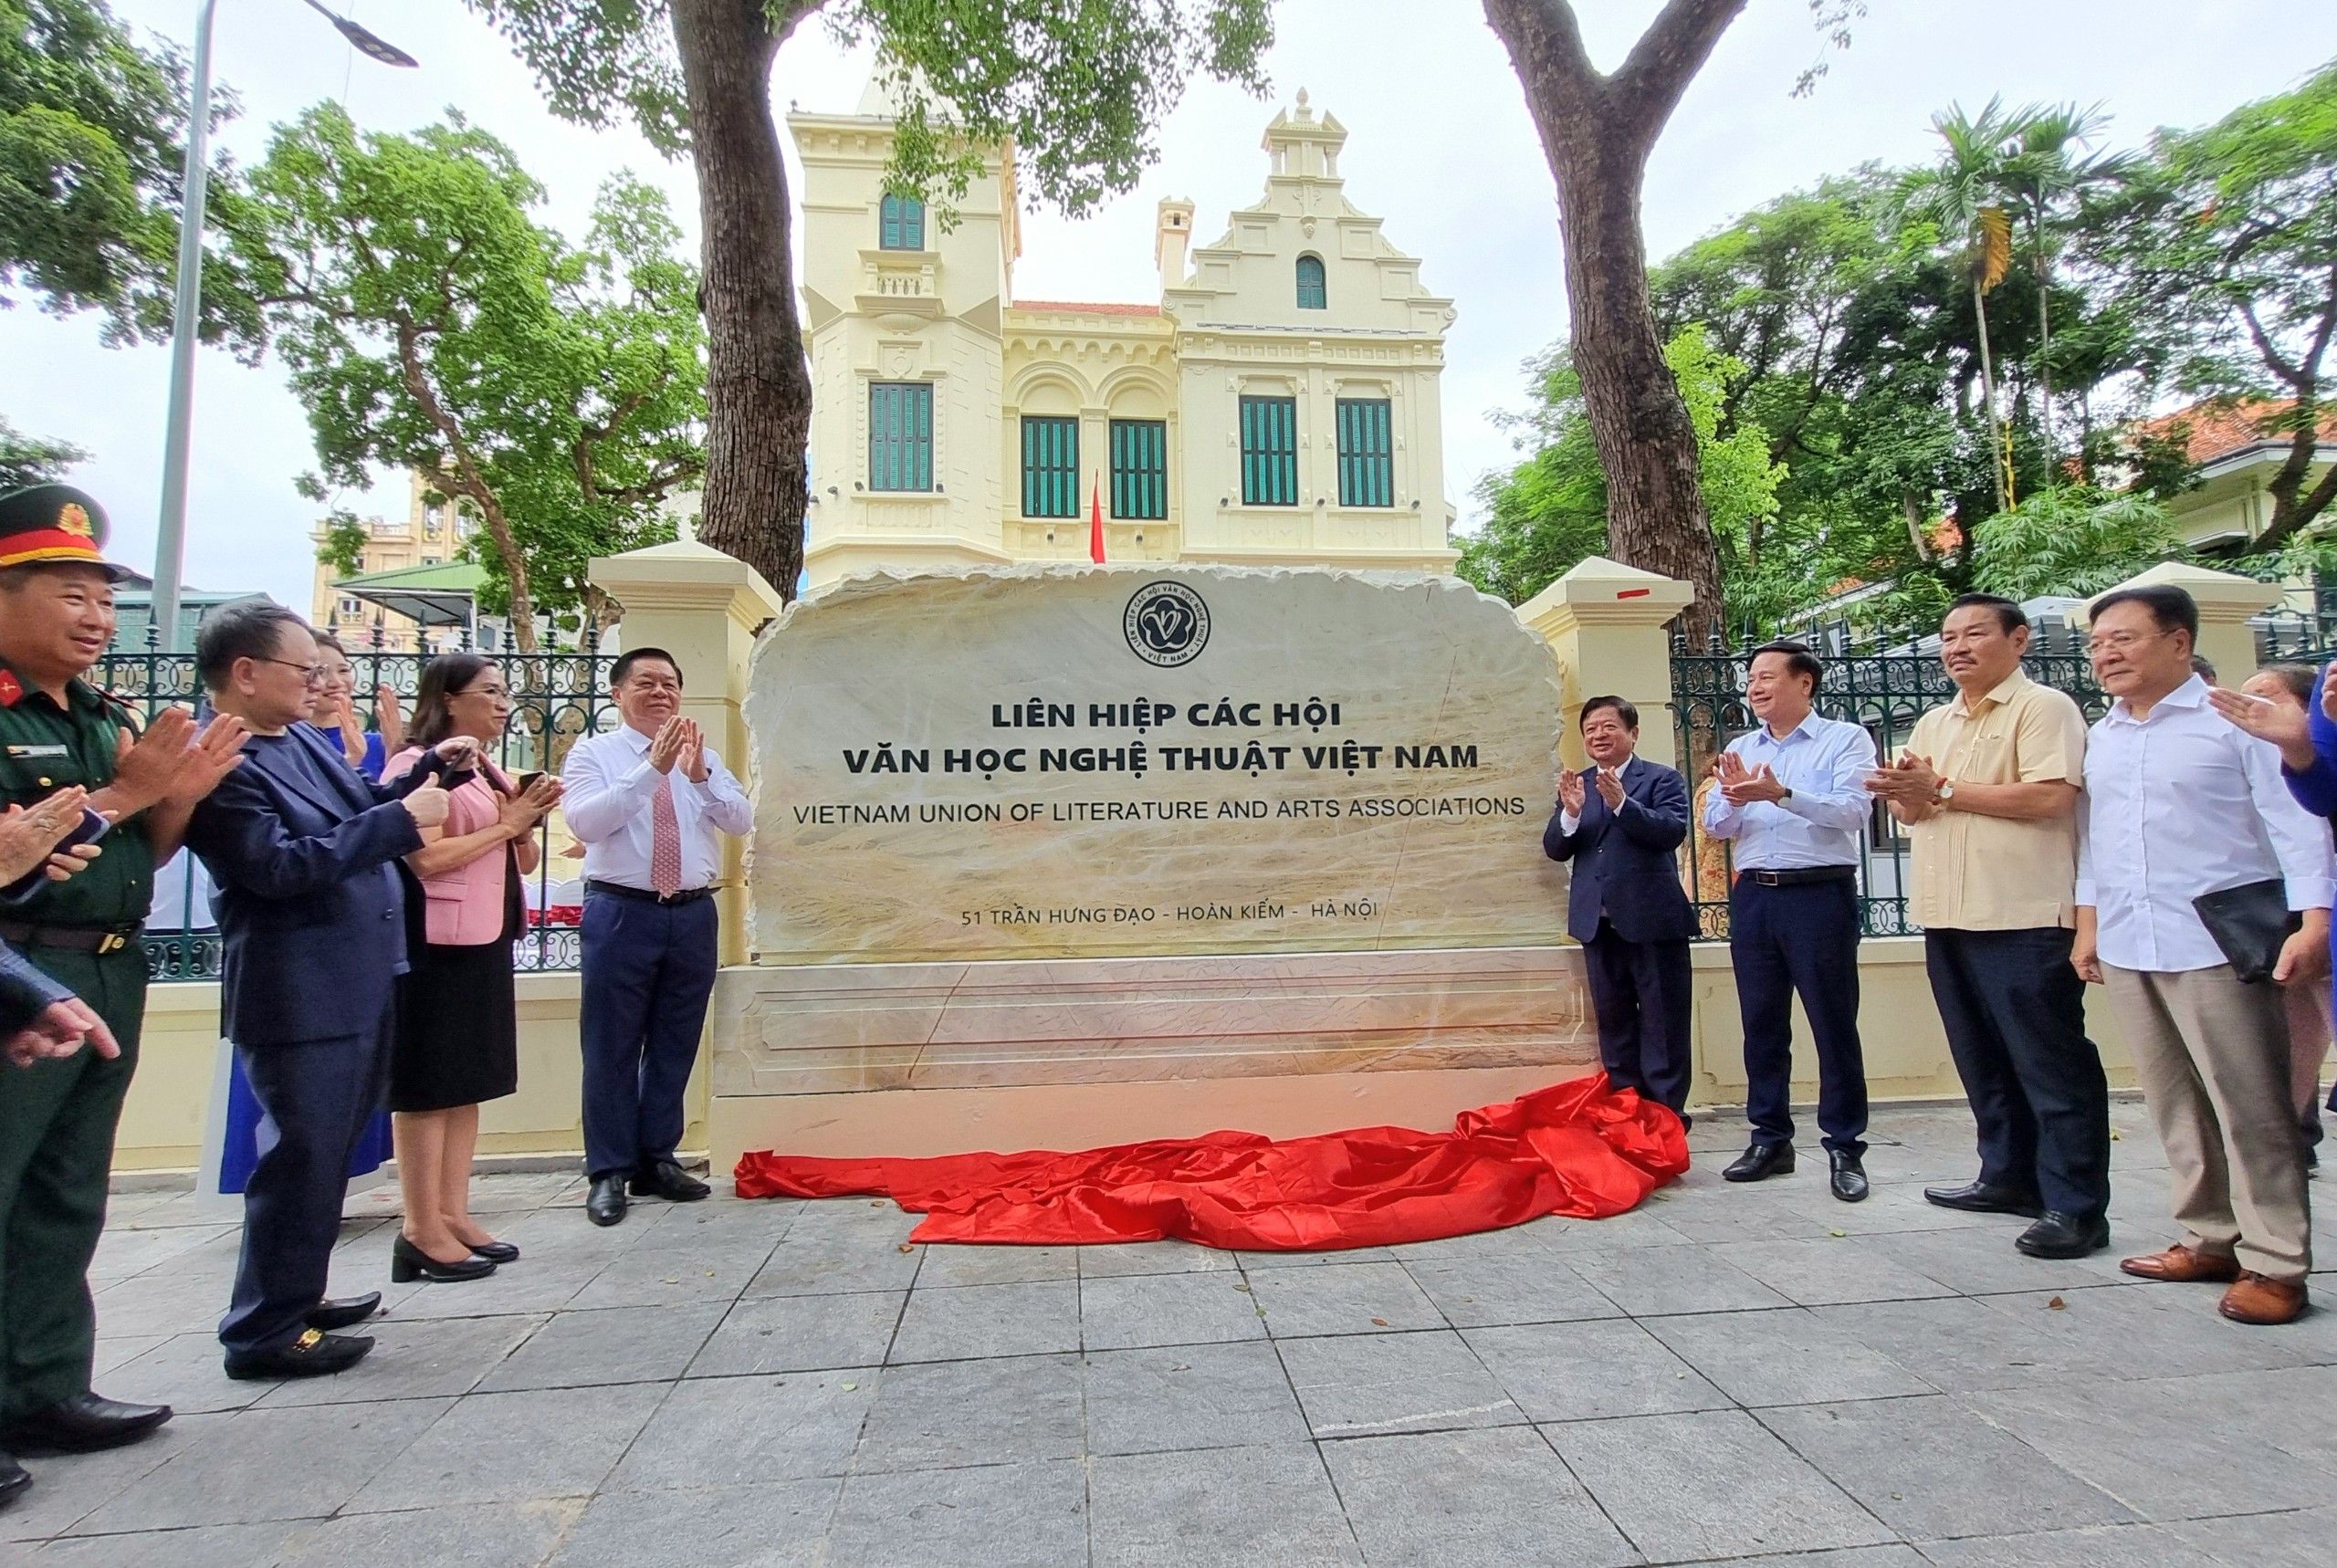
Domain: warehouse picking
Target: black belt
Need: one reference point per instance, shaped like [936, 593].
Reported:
[643, 896]
[69, 939]
[1802, 877]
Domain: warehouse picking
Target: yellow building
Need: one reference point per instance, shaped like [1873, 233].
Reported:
[1278, 405]
[432, 533]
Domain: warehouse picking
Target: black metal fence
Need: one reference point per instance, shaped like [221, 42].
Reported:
[1885, 691]
[556, 699]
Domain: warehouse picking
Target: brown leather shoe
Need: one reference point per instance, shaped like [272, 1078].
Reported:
[2180, 1265]
[2253, 1299]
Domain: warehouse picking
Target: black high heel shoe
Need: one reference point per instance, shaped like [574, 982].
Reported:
[497, 1251]
[409, 1263]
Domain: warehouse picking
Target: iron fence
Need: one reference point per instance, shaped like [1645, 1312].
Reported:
[1884, 691]
[557, 698]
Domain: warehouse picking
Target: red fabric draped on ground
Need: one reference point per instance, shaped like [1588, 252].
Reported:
[1574, 1148]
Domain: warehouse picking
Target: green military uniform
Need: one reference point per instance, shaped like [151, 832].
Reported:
[57, 1117]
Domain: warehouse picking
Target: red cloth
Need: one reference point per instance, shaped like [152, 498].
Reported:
[1095, 523]
[1574, 1148]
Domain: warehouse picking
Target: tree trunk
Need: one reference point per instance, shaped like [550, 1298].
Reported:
[2045, 351]
[1596, 133]
[1988, 396]
[759, 388]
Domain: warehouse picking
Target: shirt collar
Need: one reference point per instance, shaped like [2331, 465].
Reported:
[2004, 691]
[2191, 694]
[1806, 729]
[633, 738]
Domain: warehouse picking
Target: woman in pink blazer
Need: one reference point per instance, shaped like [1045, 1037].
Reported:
[458, 1028]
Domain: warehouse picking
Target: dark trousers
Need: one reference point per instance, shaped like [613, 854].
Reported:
[1641, 993]
[57, 1127]
[315, 1097]
[2014, 1014]
[1799, 940]
[649, 972]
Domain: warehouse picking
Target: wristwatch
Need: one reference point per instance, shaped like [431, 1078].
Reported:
[1946, 793]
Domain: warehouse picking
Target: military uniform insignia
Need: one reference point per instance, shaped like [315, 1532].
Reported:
[12, 690]
[74, 518]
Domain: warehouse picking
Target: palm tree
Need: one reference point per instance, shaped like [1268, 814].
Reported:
[2053, 172]
[1964, 197]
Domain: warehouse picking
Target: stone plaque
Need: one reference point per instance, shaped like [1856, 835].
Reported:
[1088, 762]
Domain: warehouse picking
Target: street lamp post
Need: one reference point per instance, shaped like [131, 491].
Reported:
[186, 311]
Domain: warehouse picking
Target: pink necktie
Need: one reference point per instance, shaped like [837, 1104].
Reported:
[665, 844]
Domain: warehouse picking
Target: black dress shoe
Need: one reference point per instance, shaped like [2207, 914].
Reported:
[497, 1251]
[1848, 1180]
[1986, 1197]
[1761, 1162]
[606, 1205]
[85, 1424]
[313, 1354]
[13, 1480]
[344, 1312]
[669, 1181]
[409, 1263]
[2058, 1235]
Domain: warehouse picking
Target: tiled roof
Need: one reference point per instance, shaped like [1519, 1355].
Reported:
[1085, 307]
[2217, 428]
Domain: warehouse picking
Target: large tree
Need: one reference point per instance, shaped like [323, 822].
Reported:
[1597, 130]
[92, 148]
[555, 391]
[1075, 87]
[32, 460]
[2229, 250]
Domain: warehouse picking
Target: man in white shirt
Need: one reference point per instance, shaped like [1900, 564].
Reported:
[646, 801]
[1791, 800]
[2180, 803]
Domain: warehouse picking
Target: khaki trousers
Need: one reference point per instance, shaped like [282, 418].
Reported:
[2213, 1058]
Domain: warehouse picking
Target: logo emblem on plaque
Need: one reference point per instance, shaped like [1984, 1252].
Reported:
[1167, 625]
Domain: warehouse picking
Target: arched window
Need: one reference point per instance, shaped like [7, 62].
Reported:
[1310, 284]
[900, 223]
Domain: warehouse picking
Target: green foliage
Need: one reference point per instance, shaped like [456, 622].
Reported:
[343, 545]
[2074, 540]
[1549, 511]
[92, 150]
[430, 324]
[1076, 89]
[33, 459]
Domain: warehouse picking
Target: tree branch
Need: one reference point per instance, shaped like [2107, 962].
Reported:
[1667, 58]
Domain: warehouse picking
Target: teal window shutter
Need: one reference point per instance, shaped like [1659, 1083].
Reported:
[1140, 469]
[900, 223]
[900, 435]
[1312, 295]
[1270, 452]
[1050, 467]
[1367, 453]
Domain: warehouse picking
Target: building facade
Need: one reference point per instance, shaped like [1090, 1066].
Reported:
[1278, 405]
[432, 533]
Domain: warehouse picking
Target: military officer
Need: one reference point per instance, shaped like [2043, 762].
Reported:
[57, 1114]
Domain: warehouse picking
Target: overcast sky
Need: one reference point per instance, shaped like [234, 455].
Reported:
[1438, 145]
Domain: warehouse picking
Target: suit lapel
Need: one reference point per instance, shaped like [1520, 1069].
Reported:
[273, 765]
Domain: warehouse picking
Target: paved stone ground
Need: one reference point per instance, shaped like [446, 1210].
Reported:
[1729, 1374]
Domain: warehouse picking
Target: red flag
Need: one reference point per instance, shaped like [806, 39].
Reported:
[1096, 522]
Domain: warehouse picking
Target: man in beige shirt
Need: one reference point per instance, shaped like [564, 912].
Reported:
[1988, 790]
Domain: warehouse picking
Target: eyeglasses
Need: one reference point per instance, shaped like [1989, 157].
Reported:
[317, 674]
[2120, 642]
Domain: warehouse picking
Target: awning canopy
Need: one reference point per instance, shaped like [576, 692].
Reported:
[444, 595]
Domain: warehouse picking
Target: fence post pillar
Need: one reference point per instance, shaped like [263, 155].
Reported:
[1607, 622]
[702, 607]
[2226, 602]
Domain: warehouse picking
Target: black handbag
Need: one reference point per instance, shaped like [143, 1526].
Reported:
[2250, 924]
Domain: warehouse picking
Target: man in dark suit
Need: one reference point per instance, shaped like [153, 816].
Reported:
[312, 918]
[1619, 823]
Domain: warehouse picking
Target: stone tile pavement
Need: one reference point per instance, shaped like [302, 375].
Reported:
[1728, 1376]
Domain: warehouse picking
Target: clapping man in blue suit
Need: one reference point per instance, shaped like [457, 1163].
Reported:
[313, 920]
[1620, 823]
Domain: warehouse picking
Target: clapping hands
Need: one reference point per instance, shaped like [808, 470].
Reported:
[519, 813]
[2285, 724]
[679, 744]
[29, 836]
[1743, 786]
[1911, 782]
